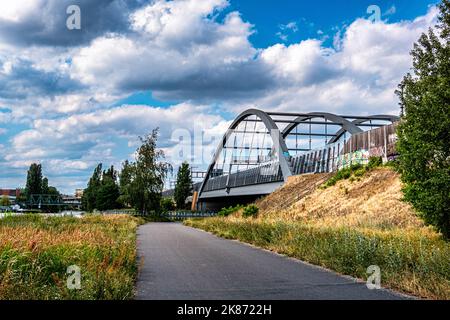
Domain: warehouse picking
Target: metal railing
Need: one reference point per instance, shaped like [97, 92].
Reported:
[181, 215]
[266, 173]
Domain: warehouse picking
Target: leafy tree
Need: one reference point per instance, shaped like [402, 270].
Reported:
[22, 198]
[108, 191]
[48, 190]
[146, 176]
[167, 204]
[45, 189]
[424, 132]
[34, 180]
[103, 191]
[183, 187]
[53, 191]
[125, 178]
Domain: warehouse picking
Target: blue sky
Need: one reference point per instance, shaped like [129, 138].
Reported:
[312, 16]
[71, 99]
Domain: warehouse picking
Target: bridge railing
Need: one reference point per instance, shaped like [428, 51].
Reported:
[265, 173]
[181, 215]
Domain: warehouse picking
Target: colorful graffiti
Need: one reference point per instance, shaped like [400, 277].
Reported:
[351, 158]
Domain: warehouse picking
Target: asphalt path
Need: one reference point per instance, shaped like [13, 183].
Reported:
[183, 263]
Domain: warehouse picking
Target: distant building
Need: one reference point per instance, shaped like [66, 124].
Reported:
[12, 194]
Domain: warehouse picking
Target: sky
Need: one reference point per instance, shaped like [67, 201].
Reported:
[70, 99]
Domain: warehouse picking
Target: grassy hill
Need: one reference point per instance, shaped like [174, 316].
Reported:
[372, 201]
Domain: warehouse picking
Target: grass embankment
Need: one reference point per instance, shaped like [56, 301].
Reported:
[35, 252]
[347, 227]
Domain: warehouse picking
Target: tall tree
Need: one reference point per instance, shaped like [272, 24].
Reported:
[108, 192]
[183, 187]
[424, 132]
[45, 188]
[34, 180]
[125, 177]
[90, 193]
[148, 174]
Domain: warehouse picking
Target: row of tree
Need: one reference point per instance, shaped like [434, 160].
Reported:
[102, 192]
[139, 184]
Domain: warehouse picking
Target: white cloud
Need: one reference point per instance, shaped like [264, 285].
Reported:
[15, 11]
[184, 50]
[360, 76]
[180, 48]
[77, 135]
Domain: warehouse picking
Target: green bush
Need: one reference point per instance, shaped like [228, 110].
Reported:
[225, 212]
[167, 204]
[360, 172]
[375, 162]
[343, 174]
[250, 211]
[356, 170]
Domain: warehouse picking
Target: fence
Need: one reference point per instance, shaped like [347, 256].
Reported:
[181, 215]
[114, 212]
[378, 142]
[266, 173]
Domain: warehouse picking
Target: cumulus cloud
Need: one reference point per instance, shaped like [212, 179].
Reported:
[62, 85]
[19, 79]
[182, 52]
[359, 76]
[78, 142]
[43, 22]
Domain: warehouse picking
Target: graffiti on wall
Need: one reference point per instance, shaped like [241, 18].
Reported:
[352, 158]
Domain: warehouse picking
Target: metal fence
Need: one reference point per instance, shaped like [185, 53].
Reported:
[266, 173]
[181, 215]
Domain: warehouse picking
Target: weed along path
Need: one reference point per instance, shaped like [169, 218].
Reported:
[179, 262]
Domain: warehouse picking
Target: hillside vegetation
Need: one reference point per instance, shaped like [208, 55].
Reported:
[349, 226]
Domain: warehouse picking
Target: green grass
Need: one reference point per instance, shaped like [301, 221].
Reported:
[36, 251]
[410, 262]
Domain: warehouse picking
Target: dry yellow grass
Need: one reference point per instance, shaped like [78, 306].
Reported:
[372, 201]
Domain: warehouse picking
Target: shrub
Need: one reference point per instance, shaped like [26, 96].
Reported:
[250, 211]
[343, 174]
[375, 162]
[167, 204]
[360, 172]
[225, 212]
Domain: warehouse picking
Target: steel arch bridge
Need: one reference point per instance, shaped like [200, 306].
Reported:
[261, 150]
